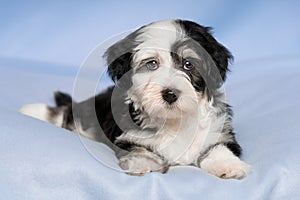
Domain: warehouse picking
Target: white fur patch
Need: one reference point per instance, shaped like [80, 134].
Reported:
[38, 111]
[141, 161]
[42, 112]
[222, 163]
[158, 35]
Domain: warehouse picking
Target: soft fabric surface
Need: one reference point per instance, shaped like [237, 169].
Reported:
[41, 161]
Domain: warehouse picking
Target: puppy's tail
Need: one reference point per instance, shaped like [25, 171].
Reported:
[60, 115]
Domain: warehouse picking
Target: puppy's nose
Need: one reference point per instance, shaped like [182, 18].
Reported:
[170, 95]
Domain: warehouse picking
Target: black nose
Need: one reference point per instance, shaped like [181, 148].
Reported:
[170, 95]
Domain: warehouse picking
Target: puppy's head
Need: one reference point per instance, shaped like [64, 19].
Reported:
[171, 66]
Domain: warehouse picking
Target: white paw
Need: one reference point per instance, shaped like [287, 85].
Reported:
[139, 165]
[228, 169]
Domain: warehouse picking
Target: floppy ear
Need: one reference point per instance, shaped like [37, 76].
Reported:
[119, 55]
[220, 55]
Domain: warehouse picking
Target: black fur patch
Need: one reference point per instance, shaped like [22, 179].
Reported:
[119, 55]
[234, 147]
[62, 99]
[196, 75]
[105, 116]
[202, 35]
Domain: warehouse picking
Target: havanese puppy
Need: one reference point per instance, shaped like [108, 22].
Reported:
[167, 106]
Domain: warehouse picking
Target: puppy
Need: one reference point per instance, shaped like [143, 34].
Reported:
[167, 106]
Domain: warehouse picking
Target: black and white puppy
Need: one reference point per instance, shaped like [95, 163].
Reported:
[167, 107]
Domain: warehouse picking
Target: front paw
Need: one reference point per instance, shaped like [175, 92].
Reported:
[138, 165]
[227, 169]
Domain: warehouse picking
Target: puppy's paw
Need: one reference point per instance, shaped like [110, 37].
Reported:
[227, 169]
[221, 162]
[139, 164]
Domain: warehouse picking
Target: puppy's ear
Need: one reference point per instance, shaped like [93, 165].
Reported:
[220, 55]
[119, 55]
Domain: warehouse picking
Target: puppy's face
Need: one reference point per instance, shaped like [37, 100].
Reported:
[173, 65]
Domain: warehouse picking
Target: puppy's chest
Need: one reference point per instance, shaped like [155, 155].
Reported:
[182, 147]
[180, 142]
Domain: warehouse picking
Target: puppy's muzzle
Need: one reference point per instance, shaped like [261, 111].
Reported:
[170, 95]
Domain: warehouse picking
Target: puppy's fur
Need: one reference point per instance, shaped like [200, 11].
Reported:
[167, 107]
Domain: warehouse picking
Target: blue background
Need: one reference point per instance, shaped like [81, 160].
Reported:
[64, 32]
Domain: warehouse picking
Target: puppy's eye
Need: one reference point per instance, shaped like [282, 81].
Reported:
[152, 65]
[188, 66]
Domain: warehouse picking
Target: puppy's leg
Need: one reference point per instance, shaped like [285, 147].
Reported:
[221, 162]
[140, 161]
